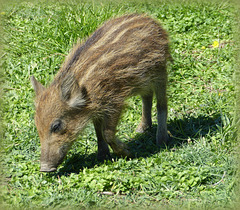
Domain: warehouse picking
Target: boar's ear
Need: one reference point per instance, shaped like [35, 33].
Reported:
[72, 93]
[37, 86]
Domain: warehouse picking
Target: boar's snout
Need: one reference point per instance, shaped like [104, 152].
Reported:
[52, 157]
[47, 168]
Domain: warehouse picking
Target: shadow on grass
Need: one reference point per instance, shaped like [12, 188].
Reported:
[143, 145]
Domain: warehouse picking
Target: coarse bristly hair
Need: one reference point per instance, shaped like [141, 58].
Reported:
[119, 58]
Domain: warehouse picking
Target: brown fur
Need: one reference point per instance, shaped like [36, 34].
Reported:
[124, 57]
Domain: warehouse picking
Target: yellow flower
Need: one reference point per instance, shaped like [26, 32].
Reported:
[215, 44]
[203, 47]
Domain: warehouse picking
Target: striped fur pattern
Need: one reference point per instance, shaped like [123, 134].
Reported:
[124, 57]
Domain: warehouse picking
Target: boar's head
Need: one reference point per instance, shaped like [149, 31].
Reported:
[60, 114]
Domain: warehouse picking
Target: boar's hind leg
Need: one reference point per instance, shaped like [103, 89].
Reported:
[146, 121]
[109, 130]
[160, 90]
[103, 150]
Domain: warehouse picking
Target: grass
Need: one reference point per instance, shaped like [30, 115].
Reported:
[198, 168]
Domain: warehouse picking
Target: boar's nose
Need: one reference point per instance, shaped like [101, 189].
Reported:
[47, 168]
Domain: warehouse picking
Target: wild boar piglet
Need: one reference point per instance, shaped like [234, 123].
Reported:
[126, 56]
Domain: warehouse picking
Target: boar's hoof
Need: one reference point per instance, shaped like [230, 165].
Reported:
[124, 153]
[142, 128]
[163, 140]
[101, 157]
[47, 168]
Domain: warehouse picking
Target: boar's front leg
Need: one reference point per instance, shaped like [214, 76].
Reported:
[103, 150]
[109, 129]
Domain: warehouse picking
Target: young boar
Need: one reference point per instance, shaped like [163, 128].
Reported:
[124, 57]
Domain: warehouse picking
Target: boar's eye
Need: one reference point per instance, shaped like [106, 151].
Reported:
[56, 126]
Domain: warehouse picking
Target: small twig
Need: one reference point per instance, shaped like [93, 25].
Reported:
[18, 30]
[59, 180]
[107, 193]
[220, 180]
[3, 55]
